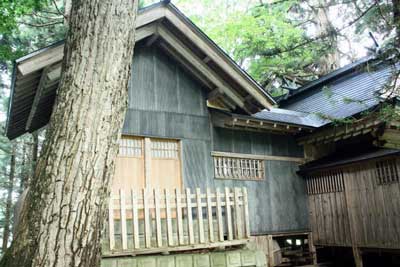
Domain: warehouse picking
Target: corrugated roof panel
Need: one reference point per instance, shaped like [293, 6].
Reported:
[344, 97]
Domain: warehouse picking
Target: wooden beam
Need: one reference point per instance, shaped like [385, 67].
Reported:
[220, 59]
[56, 54]
[184, 63]
[39, 61]
[199, 65]
[149, 16]
[260, 157]
[44, 78]
[214, 94]
[152, 40]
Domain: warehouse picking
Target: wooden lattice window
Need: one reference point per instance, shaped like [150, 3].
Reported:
[387, 172]
[130, 147]
[166, 149]
[325, 182]
[228, 167]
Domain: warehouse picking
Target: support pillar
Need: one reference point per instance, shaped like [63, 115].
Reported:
[357, 257]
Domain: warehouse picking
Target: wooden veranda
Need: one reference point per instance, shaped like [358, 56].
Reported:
[155, 221]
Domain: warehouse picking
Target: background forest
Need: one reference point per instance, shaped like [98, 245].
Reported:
[283, 44]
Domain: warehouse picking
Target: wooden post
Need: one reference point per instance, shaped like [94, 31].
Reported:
[135, 220]
[312, 249]
[357, 257]
[219, 216]
[228, 213]
[147, 162]
[147, 229]
[189, 216]
[246, 212]
[169, 223]
[200, 216]
[179, 216]
[111, 223]
[270, 251]
[158, 217]
[123, 219]
[238, 215]
[210, 217]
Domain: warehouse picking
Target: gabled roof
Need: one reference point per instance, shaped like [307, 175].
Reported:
[36, 76]
[343, 93]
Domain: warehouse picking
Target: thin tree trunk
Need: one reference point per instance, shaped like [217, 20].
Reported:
[396, 20]
[329, 61]
[63, 214]
[7, 216]
[34, 156]
[24, 176]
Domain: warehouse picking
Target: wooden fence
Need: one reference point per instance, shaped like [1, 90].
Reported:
[152, 221]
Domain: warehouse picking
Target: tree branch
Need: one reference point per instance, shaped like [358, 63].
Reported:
[278, 51]
[41, 25]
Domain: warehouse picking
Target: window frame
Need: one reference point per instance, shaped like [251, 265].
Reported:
[243, 167]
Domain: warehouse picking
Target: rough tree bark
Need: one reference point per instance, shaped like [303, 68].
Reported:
[62, 217]
[330, 61]
[7, 215]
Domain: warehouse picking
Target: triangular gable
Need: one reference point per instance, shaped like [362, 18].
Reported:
[36, 76]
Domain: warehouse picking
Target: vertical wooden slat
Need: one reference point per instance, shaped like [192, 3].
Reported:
[246, 212]
[158, 216]
[147, 161]
[147, 229]
[228, 213]
[219, 215]
[189, 215]
[210, 216]
[200, 215]
[178, 198]
[111, 223]
[135, 220]
[238, 214]
[169, 224]
[123, 219]
[312, 184]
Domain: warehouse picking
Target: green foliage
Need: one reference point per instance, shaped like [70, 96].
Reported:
[260, 38]
[12, 10]
[23, 27]
[389, 113]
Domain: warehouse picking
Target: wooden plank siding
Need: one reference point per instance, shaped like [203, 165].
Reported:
[165, 101]
[364, 209]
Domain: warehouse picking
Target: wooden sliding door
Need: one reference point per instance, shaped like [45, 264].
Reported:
[148, 162]
[129, 165]
[165, 172]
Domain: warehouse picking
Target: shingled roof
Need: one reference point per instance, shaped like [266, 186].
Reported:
[343, 93]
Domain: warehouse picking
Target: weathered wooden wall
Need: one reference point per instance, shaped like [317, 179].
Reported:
[365, 214]
[279, 200]
[166, 102]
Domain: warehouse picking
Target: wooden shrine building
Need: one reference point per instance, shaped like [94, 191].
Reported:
[208, 160]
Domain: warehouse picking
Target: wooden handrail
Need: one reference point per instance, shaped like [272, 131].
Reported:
[144, 221]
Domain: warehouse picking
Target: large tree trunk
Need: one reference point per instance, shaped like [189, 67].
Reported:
[10, 188]
[63, 214]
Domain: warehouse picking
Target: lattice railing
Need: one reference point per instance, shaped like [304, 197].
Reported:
[151, 221]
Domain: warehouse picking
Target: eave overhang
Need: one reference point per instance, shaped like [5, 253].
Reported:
[243, 122]
[36, 76]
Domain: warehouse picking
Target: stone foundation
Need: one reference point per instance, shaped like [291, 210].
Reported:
[235, 258]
